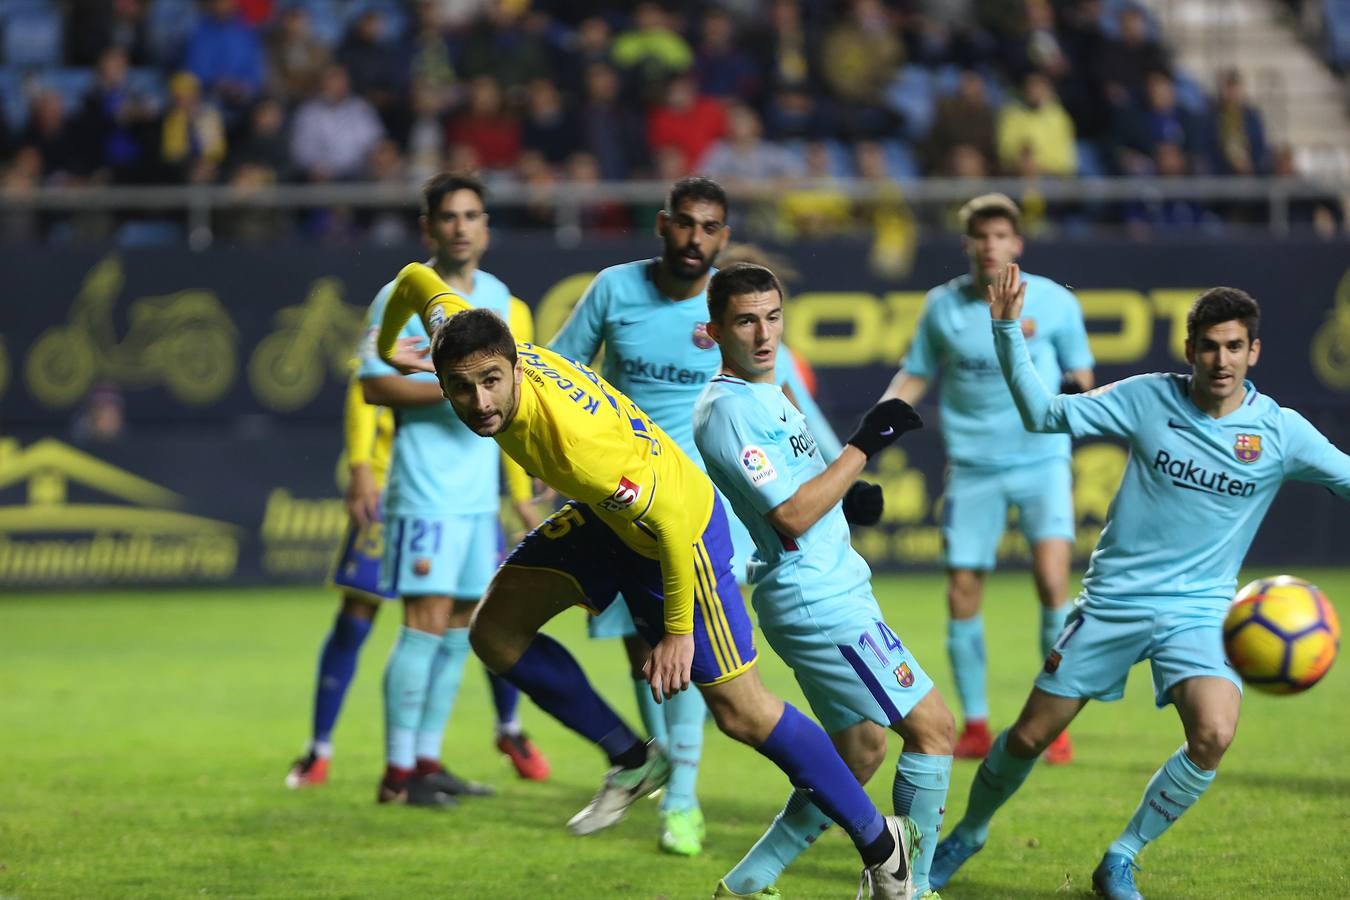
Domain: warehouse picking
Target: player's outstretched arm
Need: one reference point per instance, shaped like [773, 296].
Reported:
[418, 291]
[1315, 459]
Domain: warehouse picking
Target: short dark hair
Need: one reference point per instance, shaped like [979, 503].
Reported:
[437, 186]
[990, 206]
[470, 333]
[735, 280]
[696, 187]
[1223, 304]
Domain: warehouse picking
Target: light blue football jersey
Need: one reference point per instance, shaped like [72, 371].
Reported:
[439, 466]
[657, 350]
[952, 343]
[1195, 488]
[759, 451]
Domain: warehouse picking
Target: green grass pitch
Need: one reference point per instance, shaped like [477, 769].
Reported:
[144, 737]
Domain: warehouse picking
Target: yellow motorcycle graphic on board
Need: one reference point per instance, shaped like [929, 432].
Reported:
[184, 341]
[1331, 345]
[288, 367]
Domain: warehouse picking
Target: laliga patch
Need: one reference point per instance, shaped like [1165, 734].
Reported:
[421, 567]
[757, 466]
[701, 338]
[1247, 448]
[1104, 389]
[1052, 662]
[436, 318]
[904, 675]
[1028, 328]
[624, 496]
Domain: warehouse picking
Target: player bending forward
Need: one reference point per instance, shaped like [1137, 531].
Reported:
[1207, 456]
[812, 591]
[644, 521]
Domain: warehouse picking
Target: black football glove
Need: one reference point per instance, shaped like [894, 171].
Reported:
[863, 503]
[1069, 385]
[883, 424]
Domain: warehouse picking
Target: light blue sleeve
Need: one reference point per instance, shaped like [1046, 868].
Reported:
[1110, 410]
[1070, 338]
[584, 331]
[788, 375]
[1313, 458]
[737, 441]
[922, 357]
[372, 366]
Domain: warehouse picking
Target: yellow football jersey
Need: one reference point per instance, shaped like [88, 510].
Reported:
[588, 441]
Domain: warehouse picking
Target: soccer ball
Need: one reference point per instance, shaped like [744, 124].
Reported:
[1281, 634]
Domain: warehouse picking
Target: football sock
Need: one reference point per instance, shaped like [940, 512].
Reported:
[337, 665]
[920, 792]
[447, 671]
[997, 779]
[1173, 789]
[505, 698]
[405, 693]
[1052, 623]
[799, 747]
[554, 681]
[653, 716]
[794, 829]
[965, 649]
[684, 715]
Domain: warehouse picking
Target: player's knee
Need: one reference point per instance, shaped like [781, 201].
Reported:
[963, 593]
[1208, 740]
[1028, 739]
[743, 722]
[866, 753]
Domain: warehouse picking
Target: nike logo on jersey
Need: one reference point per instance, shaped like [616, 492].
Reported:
[887, 431]
[1173, 423]
[782, 416]
[625, 323]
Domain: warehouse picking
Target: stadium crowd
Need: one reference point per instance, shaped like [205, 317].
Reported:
[256, 92]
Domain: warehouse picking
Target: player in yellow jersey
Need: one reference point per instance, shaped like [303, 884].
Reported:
[643, 520]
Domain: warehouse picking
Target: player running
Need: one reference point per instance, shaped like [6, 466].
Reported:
[644, 520]
[1207, 455]
[993, 463]
[812, 591]
[651, 317]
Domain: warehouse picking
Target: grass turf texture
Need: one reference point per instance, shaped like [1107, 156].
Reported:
[145, 737]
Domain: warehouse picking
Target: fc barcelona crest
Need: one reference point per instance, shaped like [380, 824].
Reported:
[905, 675]
[702, 340]
[1247, 448]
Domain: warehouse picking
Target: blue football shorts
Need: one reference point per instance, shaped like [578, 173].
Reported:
[577, 543]
[444, 556]
[975, 509]
[1102, 639]
[357, 569]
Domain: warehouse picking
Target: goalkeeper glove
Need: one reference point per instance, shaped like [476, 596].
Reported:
[883, 424]
[863, 503]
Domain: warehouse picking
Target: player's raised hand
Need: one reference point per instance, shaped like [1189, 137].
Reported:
[667, 668]
[883, 424]
[411, 354]
[1006, 293]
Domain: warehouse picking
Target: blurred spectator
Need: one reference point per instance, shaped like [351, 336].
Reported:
[296, 58]
[264, 146]
[1160, 120]
[652, 51]
[101, 418]
[1039, 125]
[965, 117]
[458, 14]
[604, 216]
[744, 156]
[226, 55]
[510, 44]
[22, 178]
[93, 26]
[723, 69]
[1041, 49]
[1126, 62]
[858, 59]
[590, 44]
[487, 126]
[388, 227]
[256, 12]
[114, 122]
[541, 184]
[611, 130]
[549, 126]
[1325, 216]
[966, 161]
[56, 141]
[426, 133]
[786, 50]
[686, 121]
[817, 209]
[1151, 215]
[192, 133]
[334, 132]
[378, 70]
[429, 57]
[885, 214]
[793, 113]
[1080, 88]
[1241, 136]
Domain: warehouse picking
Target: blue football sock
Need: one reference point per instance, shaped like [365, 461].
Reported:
[337, 665]
[443, 680]
[920, 792]
[684, 714]
[801, 749]
[794, 829]
[1173, 789]
[405, 693]
[554, 681]
[1052, 623]
[505, 699]
[965, 648]
[997, 779]
[653, 716]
